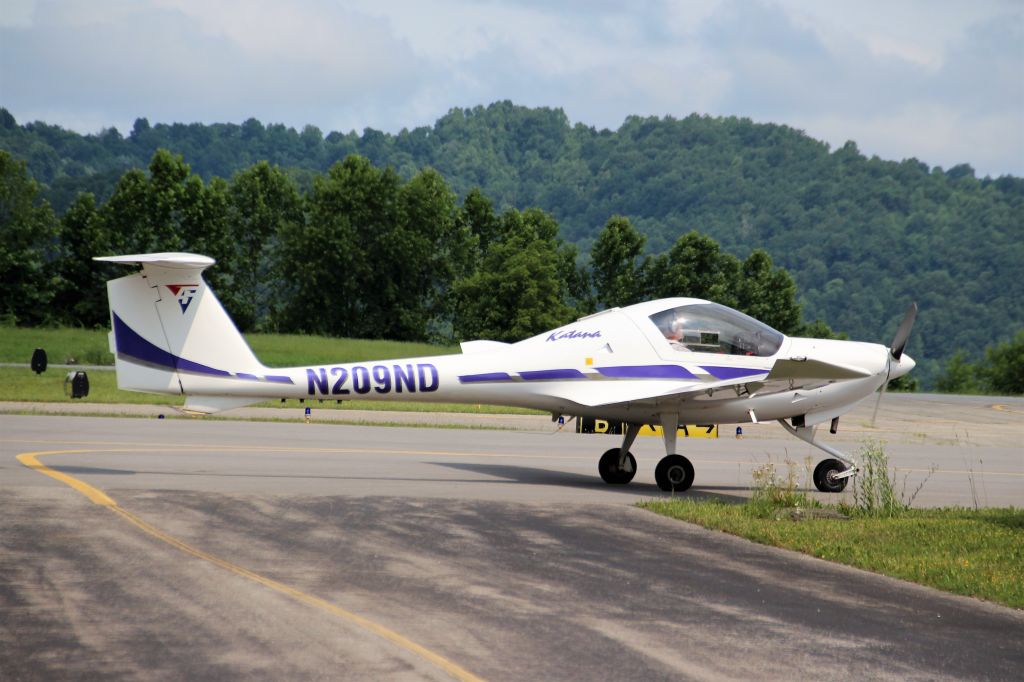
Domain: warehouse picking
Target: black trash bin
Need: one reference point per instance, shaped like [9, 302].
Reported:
[39, 361]
[76, 385]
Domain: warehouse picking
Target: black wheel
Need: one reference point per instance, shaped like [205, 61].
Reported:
[674, 473]
[610, 470]
[825, 476]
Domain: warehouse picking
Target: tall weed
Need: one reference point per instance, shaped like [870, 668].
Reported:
[773, 491]
[874, 487]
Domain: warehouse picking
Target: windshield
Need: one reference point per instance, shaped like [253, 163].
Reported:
[714, 328]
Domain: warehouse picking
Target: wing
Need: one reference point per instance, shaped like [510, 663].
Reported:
[785, 375]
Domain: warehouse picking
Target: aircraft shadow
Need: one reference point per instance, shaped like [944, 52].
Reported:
[98, 471]
[537, 476]
[511, 474]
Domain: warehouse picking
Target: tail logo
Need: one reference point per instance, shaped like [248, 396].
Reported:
[184, 293]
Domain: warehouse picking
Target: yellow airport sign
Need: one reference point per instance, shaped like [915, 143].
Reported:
[592, 425]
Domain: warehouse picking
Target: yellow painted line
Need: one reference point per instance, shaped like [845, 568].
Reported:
[271, 448]
[1006, 408]
[97, 496]
[976, 472]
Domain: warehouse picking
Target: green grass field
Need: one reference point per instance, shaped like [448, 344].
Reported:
[977, 553]
[275, 350]
[64, 345]
[89, 347]
[21, 384]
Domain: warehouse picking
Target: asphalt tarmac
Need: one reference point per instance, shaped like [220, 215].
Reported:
[183, 549]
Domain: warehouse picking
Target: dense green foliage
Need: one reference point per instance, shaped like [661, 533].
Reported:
[861, 237]
[362, 254]
[28, 228]
[1000, 372]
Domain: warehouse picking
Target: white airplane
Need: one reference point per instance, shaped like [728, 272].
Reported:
[667, 362]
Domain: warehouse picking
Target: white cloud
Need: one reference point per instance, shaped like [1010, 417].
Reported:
[915, 78]
[17, 13]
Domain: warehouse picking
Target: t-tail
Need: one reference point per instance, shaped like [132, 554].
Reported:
[170, 334]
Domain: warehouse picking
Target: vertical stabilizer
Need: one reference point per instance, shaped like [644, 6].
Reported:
[170, 334]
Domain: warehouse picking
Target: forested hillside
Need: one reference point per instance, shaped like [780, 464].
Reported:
[861, 237]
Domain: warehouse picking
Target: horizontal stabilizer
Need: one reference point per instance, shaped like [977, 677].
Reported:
[806, 368]
[170, 260]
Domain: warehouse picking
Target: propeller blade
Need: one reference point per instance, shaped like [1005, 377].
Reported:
[899, 342]
[881, 391]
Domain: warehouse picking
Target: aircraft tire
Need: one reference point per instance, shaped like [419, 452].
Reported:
[609, 469]
[823, 474]
[674, 473]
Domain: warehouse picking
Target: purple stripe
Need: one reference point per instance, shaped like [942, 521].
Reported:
[550, 374]
[489, 376]
[277, 379]
[732, 372]
[130, 343]
[647, 372]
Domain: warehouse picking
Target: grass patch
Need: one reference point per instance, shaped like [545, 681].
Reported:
[89, 347]
[63, 345]
[977, 553]
[21, 384]
[292, 350]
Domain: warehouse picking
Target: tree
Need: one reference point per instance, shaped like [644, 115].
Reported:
[818, 329]
[81, 296]
[696, 266]
[431, 249]
[28, 232]
[145, 212]
[619, 273]
[768, 293]
[1003, 370]
[205, 228]
[478, 214]
[326, 261]
[959, 376]
[520, 288]
[263, 202]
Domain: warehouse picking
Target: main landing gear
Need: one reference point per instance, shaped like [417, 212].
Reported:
[615, 468]
[674, 473]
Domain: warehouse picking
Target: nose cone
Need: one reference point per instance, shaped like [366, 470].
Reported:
[901, 366]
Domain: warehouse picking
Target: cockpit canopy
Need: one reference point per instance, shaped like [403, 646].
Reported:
[714, 328]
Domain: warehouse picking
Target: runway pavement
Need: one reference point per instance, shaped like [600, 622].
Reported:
[293, 551]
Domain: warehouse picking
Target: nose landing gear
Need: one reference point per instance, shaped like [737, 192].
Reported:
[827, 476]
[831, 475]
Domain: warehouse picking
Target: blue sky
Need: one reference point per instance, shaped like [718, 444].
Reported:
[939, 80]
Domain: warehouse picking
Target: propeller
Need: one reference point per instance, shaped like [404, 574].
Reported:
[899, 344]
